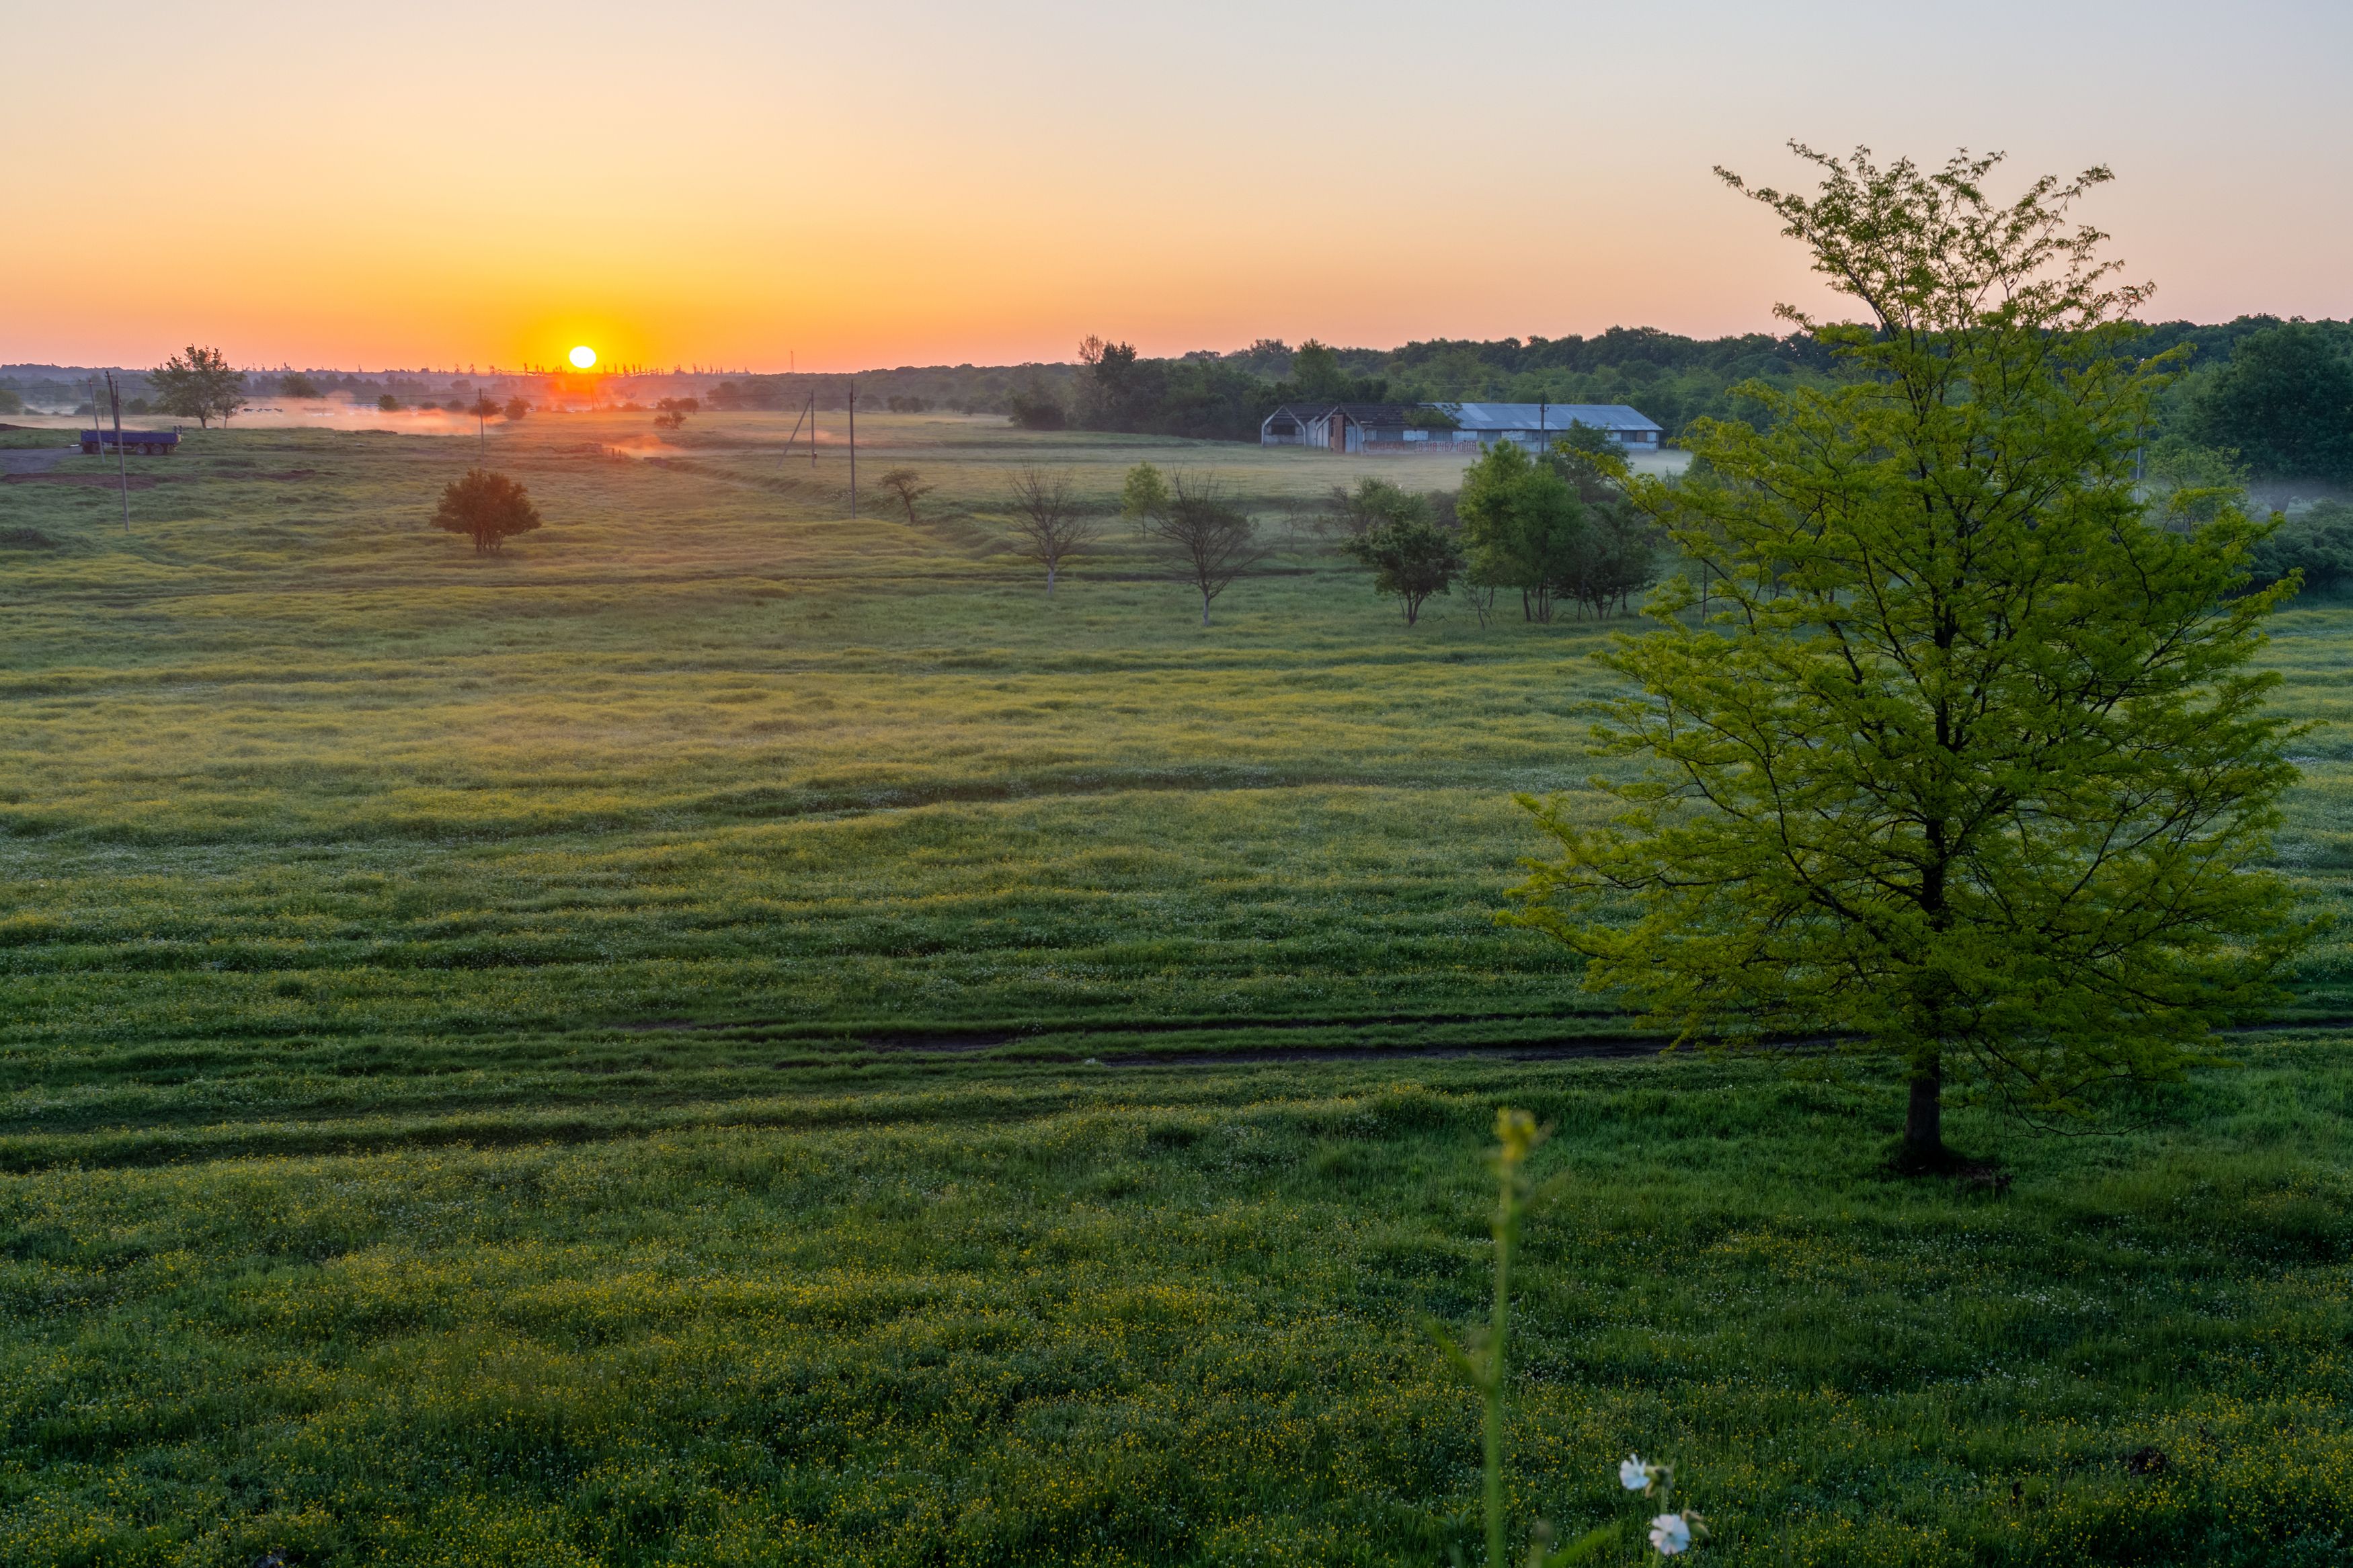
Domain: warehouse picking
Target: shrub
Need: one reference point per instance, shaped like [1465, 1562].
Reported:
[2318, 543]
[489, 507]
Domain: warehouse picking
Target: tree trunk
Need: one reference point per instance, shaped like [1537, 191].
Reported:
[1924, 1116]
[1205, 606]
[1050, 579]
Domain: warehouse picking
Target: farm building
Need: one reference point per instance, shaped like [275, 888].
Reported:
[1337, 427]
[1539, 425]
[1405, 426]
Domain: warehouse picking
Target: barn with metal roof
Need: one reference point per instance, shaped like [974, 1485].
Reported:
[1541, 424]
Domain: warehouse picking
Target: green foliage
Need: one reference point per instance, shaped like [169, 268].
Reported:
[294, 384]
[1034, 406]
[1523, 526]
[1972, 768]
[1412, 559]
[199, 384]
[486, 507]
[2284, 402]
[1374, 503]
[1144, 493]
[2316, 542]
[386, 403]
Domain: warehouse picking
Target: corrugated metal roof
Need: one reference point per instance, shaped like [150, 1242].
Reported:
[1362, 412]
[1553, 416]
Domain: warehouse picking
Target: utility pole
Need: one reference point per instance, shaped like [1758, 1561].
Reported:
[122, 463]
[853, 448]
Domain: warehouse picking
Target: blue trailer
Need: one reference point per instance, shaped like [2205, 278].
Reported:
[146, 443]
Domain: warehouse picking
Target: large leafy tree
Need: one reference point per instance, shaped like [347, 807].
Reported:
[2284, 402]
[1523, 526]
[1967, 767]
[199, 384]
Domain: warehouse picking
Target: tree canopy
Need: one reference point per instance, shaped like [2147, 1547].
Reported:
[198, 384]
[2285, 403]
[1411, 557]
[488, 508]
[1967, 768]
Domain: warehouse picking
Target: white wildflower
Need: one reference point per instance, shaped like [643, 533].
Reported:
[1670, 1533]
[1633, 1474]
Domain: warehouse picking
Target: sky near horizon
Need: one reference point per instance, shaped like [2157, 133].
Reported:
[843, 187]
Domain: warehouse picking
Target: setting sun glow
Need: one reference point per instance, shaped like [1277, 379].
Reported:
[583, 357]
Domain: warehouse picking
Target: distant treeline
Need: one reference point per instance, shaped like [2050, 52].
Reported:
[1672, 378]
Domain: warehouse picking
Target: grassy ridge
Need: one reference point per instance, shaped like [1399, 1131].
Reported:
[582, 1056]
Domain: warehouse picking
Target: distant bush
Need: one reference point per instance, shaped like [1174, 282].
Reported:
[388, 404]
[517, 408]
[2318, 543]
[25, 539]
[909, 405]
[753, 393]
[489, 508]
[1034, 406]
[10, 403]
[296, 385]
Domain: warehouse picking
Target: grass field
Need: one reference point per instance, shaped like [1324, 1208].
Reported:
[733, 1034]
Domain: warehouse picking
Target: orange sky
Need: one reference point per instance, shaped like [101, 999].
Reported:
[928, 182]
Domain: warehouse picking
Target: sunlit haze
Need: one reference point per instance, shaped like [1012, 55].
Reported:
[836, 187]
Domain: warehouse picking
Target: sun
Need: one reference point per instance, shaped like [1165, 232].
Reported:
[583, 357]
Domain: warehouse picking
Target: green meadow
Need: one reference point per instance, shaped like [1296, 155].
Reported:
[734, 1033]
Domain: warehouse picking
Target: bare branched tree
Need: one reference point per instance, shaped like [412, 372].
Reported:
[1213, 541]
[1053, 527]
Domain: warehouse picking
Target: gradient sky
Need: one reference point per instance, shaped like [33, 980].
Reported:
[926, 182]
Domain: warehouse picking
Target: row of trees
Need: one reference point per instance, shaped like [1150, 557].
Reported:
[1556, 527]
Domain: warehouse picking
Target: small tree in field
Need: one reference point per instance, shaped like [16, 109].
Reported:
[489, 508]
[1143, 494]
[908, 486]
[516, 409]
[1052, 525]
[199, 385]
[1412, 559]
[1213, 541]
[1969, 769]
